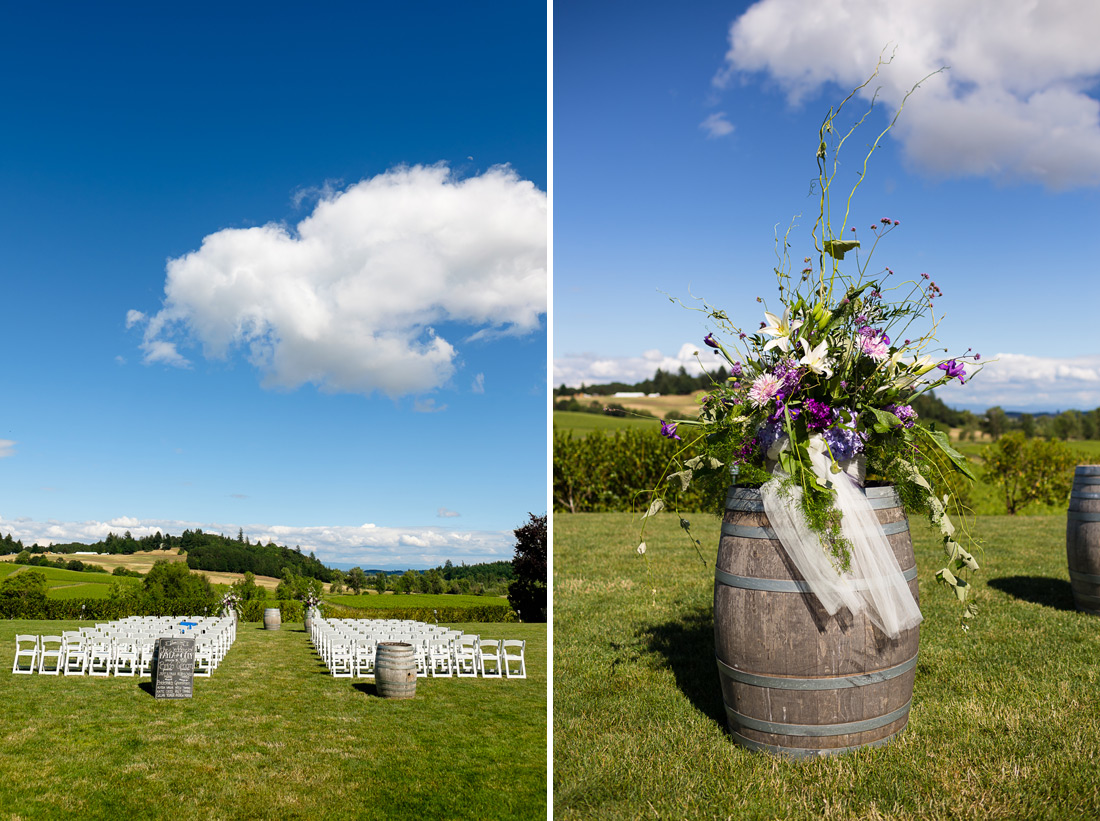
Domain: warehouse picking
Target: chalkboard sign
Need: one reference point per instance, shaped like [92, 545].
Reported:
[174, 668]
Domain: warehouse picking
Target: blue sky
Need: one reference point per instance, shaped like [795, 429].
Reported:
[278, 269]
[684, 137]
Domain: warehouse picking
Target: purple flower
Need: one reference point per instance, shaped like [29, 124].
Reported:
[818, 415]
[953, 370]
[735, 369]
[669, 430]
[905, 413]
[710, 341]
[844, 443]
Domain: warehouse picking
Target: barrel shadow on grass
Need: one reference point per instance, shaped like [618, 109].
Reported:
[687, 645]
[1043, 590]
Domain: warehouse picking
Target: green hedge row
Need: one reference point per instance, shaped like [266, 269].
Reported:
[33, 607]
[449, 615]
[604, 472]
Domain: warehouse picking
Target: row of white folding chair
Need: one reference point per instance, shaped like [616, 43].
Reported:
[349, 649]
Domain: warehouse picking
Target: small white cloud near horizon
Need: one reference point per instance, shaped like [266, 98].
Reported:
[1017, 103]
[590, 369]
[349, 299]
[367, 546]
[1012, 381]
[717, 125]
[7, 448]
[443, 513]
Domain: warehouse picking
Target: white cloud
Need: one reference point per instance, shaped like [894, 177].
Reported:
[348, 299]
[1030, 383]
[428, 406]
[717, 125]
[134, 318]
[366, 546]
[7, 448]
[596, 370]
[478, 385]
[1013, 381]
[443, 513]
[1017, 103]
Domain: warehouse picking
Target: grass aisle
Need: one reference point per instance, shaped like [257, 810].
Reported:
[273, 735]
[1005, 722]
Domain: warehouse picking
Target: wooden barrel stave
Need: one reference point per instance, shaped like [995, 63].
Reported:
[395, 670]
[787, 669]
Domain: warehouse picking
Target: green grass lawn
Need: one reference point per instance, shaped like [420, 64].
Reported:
[1005, 721]
[398, 601]
[273, 736]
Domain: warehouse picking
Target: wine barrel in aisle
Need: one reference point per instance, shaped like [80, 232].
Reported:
[1083, 538]
[795, 681]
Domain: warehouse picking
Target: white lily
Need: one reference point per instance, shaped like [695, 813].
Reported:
[816, 358]
[781, 329]
[921, 365]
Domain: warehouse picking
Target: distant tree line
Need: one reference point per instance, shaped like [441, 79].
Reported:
[662, 382]
[488, 578]
[205, 551]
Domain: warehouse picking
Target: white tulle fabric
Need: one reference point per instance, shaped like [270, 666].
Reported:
[874, 585]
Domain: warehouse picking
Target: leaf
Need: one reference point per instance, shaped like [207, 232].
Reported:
[655, 508]
[940, 440]
[684, 477]
[837, 248]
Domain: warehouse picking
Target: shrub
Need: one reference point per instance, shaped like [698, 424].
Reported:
[602, 472]
[1030, 470]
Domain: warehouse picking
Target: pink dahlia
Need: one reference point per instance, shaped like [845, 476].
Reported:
[764, 387]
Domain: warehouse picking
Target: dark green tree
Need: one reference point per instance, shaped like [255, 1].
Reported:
[527, 594]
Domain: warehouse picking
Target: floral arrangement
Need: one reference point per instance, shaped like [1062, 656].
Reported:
[830, 376]
[230, 603]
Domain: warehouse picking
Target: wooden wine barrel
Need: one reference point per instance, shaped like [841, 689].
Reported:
[395, 669]
[1083, 538]
[795, 681]
[273, 617]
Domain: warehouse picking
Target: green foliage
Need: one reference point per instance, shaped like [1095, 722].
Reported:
[23, 593]
[247, 590]
[172, 589]
[527, 594]
[1030, 470]
[599, 472]
[448, 614]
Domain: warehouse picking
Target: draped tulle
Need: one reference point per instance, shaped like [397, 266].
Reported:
[874, 584]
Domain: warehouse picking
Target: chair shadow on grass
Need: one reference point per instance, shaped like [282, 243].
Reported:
[1043, 590]
[687, 645]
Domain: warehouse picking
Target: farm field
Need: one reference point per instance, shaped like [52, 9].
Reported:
[272, 735]
[72, 584]
[1005, 718]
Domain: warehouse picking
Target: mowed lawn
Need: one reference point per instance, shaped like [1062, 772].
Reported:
[1005, 719]
[272, 735]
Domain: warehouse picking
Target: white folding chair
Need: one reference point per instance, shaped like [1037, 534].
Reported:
[100, 656]
[439, 657]
[365, 650]
[50, 649]
[514, 664]
[125, 657]
[74, 659]
[489, 658]
[26, 647]
[465, 658]
[204, 658]
[341, 659]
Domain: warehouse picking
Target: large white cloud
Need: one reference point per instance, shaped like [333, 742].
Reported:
[1012, 381]
[1016, 103]
[348, 299]
[366, 545]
